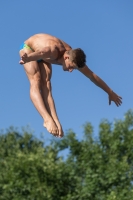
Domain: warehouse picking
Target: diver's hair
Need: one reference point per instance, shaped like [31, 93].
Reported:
[77, 56]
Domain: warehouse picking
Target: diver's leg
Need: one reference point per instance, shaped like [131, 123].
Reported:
[46, 90]
[33, 73]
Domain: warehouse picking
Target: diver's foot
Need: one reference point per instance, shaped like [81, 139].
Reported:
[51, 127]
[61, 133]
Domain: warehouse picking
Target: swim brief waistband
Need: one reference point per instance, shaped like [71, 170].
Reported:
[25, 46]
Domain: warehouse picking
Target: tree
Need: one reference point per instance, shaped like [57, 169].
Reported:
[95, 169]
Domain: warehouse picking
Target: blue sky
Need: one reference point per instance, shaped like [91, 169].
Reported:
[103, 29]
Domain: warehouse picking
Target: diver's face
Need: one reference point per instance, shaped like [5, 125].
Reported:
[69, 65]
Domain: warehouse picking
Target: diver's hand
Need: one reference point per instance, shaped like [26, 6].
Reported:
[114, 97]
[24, 59]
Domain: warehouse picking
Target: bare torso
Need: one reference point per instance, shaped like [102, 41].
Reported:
[39, 41]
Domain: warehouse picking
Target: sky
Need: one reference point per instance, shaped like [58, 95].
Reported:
[103, 29]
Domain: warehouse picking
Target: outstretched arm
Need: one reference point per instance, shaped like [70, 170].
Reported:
[100, 83]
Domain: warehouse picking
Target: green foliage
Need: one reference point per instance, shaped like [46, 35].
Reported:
[95, 169]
